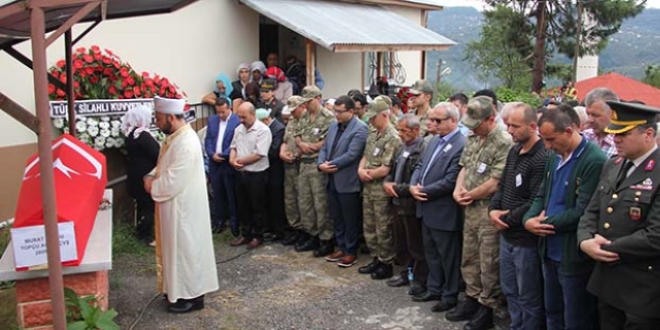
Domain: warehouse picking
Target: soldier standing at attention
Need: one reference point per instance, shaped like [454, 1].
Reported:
[382, 142]
[483, 161]
[620, 228]
[309, 135]
[422, 94]
[290, 155]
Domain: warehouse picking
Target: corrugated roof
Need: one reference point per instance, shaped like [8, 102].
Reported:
[16, 25]
[350, 27]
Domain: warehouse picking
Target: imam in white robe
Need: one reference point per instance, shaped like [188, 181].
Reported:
[179, 190]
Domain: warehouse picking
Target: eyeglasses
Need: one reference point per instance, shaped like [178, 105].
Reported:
[438, 120]
[339, 112]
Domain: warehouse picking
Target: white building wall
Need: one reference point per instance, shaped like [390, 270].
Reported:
[587, 67]
[411, 60]
[189, 47]
[341, 71]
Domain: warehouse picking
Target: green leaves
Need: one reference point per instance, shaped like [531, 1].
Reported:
[83, 313]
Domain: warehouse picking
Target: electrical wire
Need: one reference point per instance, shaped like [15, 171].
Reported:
[146, 307]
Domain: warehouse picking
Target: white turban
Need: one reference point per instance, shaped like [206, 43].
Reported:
[169, 106]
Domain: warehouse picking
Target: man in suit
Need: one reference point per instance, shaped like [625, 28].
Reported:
[620, 228]
[432, 185]
[219, 133]
[407, 229]
[339, 158]
[276, 216]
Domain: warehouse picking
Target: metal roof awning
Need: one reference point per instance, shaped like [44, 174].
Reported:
[15, 14]
[350, 27]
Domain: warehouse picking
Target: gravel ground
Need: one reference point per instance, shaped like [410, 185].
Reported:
[273, 287]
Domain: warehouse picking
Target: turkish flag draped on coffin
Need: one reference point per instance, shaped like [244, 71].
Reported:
[80, 179]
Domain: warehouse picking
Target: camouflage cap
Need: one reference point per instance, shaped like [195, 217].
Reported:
[310, 92]
[295, 101]
[479, 108]
[385, 99]
[422, 86]
[376, 107]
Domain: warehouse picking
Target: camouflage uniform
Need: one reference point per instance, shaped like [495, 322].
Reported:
[378, 218]
[312, 184]
[481, 160]
[423, 121]
[291, 173]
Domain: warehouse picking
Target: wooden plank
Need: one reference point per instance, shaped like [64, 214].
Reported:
[310, 52]
[75, 18]
[19, 113]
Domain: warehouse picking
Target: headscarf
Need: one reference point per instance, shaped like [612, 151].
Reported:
[241, 67]
[257, 65]
[238, 74]
[228, 87]
[275, 73]
[137, 120]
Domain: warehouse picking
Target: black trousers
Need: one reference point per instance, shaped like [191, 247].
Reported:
[408, 245]
[443, 255]
[145, 218]
[345, 210]
[252, 200]
[612, 318]
[276, 216]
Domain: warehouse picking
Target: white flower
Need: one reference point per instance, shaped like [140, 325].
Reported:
[104, 125]
[84, 137]
[58, 123]
[93, 131]
[105, 133]
[81, 126]
[110, 143]
[105, 119]
[119, 142]
[115, 132]
[115, 123]
[92, 122]
[99, 143]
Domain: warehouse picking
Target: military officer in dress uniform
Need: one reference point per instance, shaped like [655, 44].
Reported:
[268, 100]
[620, 228]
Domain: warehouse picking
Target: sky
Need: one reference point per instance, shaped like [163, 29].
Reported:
[480, 4]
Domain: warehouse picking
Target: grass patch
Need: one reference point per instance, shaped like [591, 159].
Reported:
[124, 241]
[224, 237]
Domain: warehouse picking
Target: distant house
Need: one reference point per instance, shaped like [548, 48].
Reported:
[351, 42]
[625, 88]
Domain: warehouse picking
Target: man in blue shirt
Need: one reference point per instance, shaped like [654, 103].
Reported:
[571, 178]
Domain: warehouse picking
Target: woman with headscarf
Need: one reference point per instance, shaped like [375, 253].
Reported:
[252, 93]
[283, 90]
[258, 69]
[238, 95]
[223, 88]
[142, 156]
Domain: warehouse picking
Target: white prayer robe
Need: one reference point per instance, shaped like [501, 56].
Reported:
[180, 193]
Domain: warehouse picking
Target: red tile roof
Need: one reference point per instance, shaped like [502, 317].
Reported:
[626, 88]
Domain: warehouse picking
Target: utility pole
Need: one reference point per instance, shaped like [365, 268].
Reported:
[437, 74]
[578, 38]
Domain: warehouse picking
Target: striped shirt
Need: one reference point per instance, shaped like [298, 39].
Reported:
[519, 184]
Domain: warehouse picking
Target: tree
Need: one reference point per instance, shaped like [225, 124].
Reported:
[652, 76]
[503, 48]
[558, 26]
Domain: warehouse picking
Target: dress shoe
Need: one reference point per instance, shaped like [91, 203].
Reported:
[347, 261]
[426, 296]
[309, 245]
[273, 237]
[303, 237]
[481, 320]
[370, 267]
[416, 288]
[335, 256]
[382, 272]
[398, 281]
[291, 239]
[326, 248]
[464, 311]
[240, 241]
[442, 306]
[186, 305]
[255, 243]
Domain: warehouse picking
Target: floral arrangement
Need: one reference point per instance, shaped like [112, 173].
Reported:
[404, 94]
[102, 75]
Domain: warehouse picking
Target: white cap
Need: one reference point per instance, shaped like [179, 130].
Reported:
[169, 106]
[286, 111]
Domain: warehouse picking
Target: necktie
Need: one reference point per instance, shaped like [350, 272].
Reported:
[432, 159]
[624, 173]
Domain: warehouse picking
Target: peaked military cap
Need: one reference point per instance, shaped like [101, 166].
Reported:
[624, 116]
